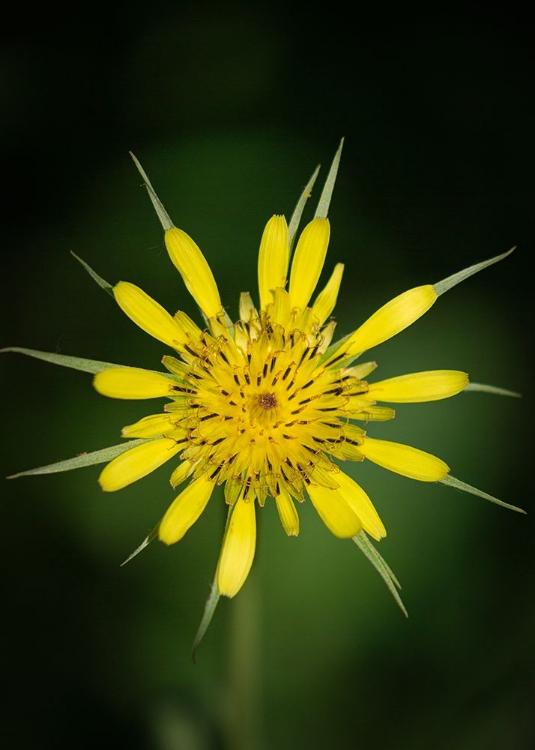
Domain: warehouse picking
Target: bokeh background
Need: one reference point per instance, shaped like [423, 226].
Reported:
[230, 108]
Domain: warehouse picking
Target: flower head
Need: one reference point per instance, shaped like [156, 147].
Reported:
[268, 406]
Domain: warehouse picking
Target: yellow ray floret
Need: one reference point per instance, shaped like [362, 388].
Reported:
[287, 512]
[308, 261]
[185, 510]
[361, 504]
[334, 511]
[152, 426]
[181, 473]
[136, 463]
[238, 549]
[391, 319]
[195, 271]
[133, 383]
[404, 459]
[326, 299]
[419, 386]
[273, 258]
[148, 314]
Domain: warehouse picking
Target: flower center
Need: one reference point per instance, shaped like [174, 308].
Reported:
[264, 410]
[265, 414]
[267, 401]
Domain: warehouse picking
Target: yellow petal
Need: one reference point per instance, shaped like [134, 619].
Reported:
[247, 308]
[185, 510]
[308, 261]
[148, 314]
[238, 548]
[419, 386]
[137, 463]
[181, 473]
[361, 504]
[334, 511]
[190, 328]
[287, 512]
[280, 310]
[405, 460]
[360, 371]
[151, 426]
[367, 413]
[391, 319]
[326, 299]
[132, 383]
[273, 258]
[194, 269]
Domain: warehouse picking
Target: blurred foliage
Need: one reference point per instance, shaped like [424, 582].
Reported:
[229, 109]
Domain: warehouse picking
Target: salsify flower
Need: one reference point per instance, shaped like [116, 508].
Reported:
[267, 406]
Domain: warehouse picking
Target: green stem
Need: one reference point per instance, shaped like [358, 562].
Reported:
[244, 702]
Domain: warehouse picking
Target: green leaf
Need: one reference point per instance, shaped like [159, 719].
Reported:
[75, 363]
[365, 546]
[492, 389]
[456, 278]
[83, 459]
[94, 275]
[458, 485]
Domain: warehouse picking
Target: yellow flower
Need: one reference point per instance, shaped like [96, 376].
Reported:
[268, 406]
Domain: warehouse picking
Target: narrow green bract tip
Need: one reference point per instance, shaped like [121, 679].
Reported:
[165, 220]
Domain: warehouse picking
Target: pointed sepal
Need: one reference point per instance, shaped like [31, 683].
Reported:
[94, 275]
[82, 460]
[483, 388]
[209, 611]
[456, 278]
[392, 583]
[92, 366]
[145, 543]
[156, 202]
[322, 210]
[458, 485]
[300, 207]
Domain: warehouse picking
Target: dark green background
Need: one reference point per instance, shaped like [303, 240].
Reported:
[230, 108]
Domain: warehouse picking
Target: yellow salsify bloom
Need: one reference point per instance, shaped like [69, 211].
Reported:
[268, 406]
